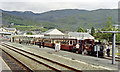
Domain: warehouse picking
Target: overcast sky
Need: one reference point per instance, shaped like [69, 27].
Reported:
[39, 6]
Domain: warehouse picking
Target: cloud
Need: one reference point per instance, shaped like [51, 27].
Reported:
[47, 5]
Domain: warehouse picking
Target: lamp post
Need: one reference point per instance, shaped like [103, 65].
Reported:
[113, 43]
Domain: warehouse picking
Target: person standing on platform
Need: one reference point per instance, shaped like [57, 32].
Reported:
[43, 44]
[56, 46]
[80, 44]
[77, 47]
[19, 41]
[40, 44]
[59, 46]
[108, 51]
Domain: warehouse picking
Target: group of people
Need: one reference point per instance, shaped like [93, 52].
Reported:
[58, 45]
[79, 48]
[43, 44]
[22, 41]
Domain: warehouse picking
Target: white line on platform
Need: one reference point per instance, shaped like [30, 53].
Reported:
[85, 63]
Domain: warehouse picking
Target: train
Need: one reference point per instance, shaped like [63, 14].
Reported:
[88, 46]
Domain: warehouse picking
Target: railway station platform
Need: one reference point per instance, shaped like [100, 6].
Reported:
[99, 62]
[3, 66]
[84, 59]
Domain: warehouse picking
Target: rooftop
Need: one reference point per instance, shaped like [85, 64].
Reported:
[80, 35]
[53, 32]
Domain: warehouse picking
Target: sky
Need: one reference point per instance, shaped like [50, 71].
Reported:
[39, 6]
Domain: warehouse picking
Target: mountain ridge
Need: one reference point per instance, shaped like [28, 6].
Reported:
[67, 19]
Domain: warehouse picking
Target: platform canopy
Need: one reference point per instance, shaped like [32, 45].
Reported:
[53, 32]
[37, 36]
[80, 35]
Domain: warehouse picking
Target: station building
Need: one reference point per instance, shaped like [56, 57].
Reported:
[55, 33]
[8, 31]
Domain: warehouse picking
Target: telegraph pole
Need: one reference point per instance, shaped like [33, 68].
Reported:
[113, 49]
[113, 43]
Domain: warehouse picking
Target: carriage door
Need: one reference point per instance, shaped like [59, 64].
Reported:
[70, 42]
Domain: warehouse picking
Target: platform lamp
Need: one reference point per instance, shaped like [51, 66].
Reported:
[113, 43]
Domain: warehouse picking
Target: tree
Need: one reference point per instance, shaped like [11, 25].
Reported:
[29, 33]
[92, 31]
[107, 36]
[80, 30]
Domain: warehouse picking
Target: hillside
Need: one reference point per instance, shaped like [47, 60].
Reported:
[68, 19]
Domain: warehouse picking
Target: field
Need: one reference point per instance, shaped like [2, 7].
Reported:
[29, 28]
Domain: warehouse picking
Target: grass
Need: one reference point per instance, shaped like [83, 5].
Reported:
[29, 28]
[23, 26]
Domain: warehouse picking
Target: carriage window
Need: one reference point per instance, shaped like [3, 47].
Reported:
[88, 42]
[70, 42]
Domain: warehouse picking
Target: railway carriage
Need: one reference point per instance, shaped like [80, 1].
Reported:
[68, 44]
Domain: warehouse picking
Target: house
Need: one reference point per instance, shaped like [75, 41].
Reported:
[3, 29]
[10, 30]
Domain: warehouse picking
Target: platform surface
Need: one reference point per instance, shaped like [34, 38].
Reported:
[3, 66]
[99, 62]
[84, 58]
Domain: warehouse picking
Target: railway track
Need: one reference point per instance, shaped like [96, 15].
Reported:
[13, 63]
[54, 65]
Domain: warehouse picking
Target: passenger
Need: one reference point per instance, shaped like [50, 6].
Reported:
[77, 47]
[80, 44]
[108, 51]
[56, 46]
[101, 48]
[35, 43]
[59, 46]
[29, 42]
[85, 51]
[40, 44]
[43, 44]
[19, 41]
[53, 45]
